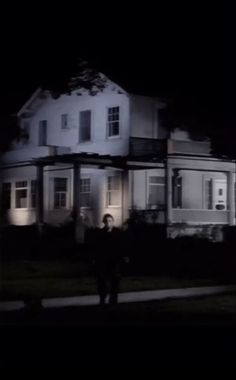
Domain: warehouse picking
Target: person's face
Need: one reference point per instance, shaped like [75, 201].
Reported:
[109, 222]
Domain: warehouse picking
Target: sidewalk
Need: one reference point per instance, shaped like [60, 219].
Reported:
[143, 296]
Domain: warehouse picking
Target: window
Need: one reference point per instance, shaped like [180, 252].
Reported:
[33, 193]
[21, 191]
[25, 131]
[64, 121]
[156, 191]
[113, 191]
[177, 192]
[208, 194]
[85, 191]
[43, 132]
[113, 121]
[85, 126]
[6, 196]
[60, 192]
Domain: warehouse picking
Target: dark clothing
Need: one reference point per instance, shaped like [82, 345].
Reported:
[108, 258]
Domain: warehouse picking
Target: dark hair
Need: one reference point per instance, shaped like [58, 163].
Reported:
[104, 219]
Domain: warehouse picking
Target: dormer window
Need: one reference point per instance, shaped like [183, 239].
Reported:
[113, 121]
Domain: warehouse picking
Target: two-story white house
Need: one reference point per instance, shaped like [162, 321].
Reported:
[109, 153]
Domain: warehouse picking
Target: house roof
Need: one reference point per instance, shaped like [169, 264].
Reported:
[123, 82]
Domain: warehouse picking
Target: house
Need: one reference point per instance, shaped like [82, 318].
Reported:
[108, 152]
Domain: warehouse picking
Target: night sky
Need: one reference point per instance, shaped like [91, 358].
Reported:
[177, 52]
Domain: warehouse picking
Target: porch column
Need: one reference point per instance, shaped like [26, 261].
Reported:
[79, 227]
[168, 194]
[125, 195]
[231, 201]
[39, 198]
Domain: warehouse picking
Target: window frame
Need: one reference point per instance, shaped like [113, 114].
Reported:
[109, 122]
[163, 184]
[86, 192]
[39, 132]
[60, 192]
[90, 140]
[112, 190]
[16, 189]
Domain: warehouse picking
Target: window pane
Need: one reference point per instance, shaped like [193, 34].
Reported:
[62, 199]
[113, 183]
[208, 194]
[43, 132]
[113, 121]
[156, 195]
[85, 126]
[21, 184]
[113, 198]
[85, 200]
[158, 180]
[177, 192]
[33, 193]
[60, 184]
[21, 198]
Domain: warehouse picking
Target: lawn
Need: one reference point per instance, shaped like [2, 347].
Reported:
[60, 278]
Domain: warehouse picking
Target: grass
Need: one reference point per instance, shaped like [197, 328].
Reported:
[63, 287]
[61, 278]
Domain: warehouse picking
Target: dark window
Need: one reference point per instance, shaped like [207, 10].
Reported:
[43, 132]
[177, 192]
[6, 196]
[113, 121]
[85, 126]
[64, 121]
[60, 192]
[156, 194]
[33, 193]
[208, 194]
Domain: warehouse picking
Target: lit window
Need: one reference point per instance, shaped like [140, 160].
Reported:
[156, 194]
[6, 196]
[21, 193]
[113, 121]
[113, 191]
[60, 192]
[85, 126]
[85, 192]
[64, 121]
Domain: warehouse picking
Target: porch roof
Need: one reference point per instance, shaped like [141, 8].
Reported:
[120, 162]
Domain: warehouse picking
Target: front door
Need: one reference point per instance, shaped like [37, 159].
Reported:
[220, 195]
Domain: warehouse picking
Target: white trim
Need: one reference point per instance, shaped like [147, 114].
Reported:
[107, 123]
[29, 101]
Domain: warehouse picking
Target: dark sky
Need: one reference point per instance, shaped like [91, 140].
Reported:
[180, 52]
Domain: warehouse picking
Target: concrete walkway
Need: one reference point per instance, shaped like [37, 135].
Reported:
[143, 296]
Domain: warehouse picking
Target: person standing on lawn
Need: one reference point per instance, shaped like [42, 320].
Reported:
[108, 259]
